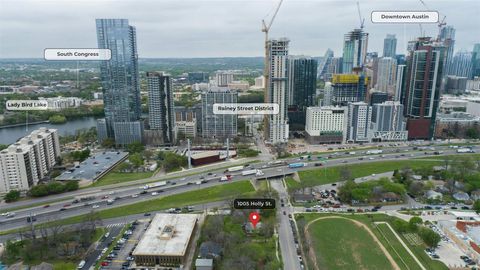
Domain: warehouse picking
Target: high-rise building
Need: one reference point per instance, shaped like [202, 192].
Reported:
[354, 50]
[276, 125]
[447, 37]
[223, 78]
[218, 126]
[120, 81]
[347, 88]
[400, 83]
[378, 97]
[325, 124]
[324, 63]
[423, 80]
[476, 62]
[456, 85]
[260, 82]
[160, 106]
[26, 162]
[334, 67]
[359, 116]
[386, 75]
[462, 64]
[388, 122]
[390, 46]
[197, 77]
[302, 83]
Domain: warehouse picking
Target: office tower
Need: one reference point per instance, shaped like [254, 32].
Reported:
[390, 46]
[359, 116]
[354, 51]
[302, 85]
[160, 106]
[421, 96]
[386, 74]
[218, 126]
[378, 97]
[29, 160]
[197, 77]
[388, 122]
[223, 78]
[400, 83]
[348, 88]
[324, 63]
[462, 64]
[447, 37]
[456, 85]
[327, 94]
[185, 122]
[334, 67]
[325, 124]
[120, 83]
[276, 125]
[476, 61]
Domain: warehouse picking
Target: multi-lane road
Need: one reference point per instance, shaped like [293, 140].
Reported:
[125, 195]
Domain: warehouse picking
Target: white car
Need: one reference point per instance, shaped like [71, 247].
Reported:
[154, 193]
[134, 195]
[95, 206]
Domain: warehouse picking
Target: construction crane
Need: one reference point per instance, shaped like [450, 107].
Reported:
[265, 27]
[362, 20]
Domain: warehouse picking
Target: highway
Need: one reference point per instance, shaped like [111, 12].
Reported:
[132, 194]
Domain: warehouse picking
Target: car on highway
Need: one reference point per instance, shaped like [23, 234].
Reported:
[134, 195]
[147, 214]
[66, 205]
[95, 206]
[154, 193]
[46, 206]
[62, 209]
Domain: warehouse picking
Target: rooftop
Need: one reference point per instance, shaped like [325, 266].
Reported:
[167, 235]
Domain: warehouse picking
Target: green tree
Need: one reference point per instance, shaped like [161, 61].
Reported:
[136, 147]
[108, 143]
[12, 196]
[414, 222]
[136, 159]
[430, 237]
[476, 206]
[3, 146]
[71, 185]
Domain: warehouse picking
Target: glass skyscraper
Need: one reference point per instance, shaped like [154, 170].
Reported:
[390, 46]
[120, 82]
[302, 84]
[354, 50]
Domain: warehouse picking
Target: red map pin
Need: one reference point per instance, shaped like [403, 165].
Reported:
[254, 218]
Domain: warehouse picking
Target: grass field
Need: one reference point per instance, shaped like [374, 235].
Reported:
[204, 195]
[418, 250]
[332, 174]
[452, 156]
[114, 177]
[395, 248]
[341, 244]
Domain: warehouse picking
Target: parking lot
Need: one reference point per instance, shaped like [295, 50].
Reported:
[120, 256]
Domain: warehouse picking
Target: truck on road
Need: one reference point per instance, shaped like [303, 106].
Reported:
[465, 150]
[154, 185]
[225, 178]
[297, 165]
[250, 172]
[234, 169]
[374, 152]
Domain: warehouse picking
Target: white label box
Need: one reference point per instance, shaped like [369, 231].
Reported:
[26, 105]
[78, 54]
[404, 17]
[245, 108]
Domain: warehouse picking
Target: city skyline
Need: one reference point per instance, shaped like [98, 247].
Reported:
[225, 36]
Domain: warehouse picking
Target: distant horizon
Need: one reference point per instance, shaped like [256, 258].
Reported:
[214, 29]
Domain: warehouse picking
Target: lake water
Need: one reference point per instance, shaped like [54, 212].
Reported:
[12, 134]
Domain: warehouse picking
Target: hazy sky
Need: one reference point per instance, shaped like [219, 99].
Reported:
[206, 28]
